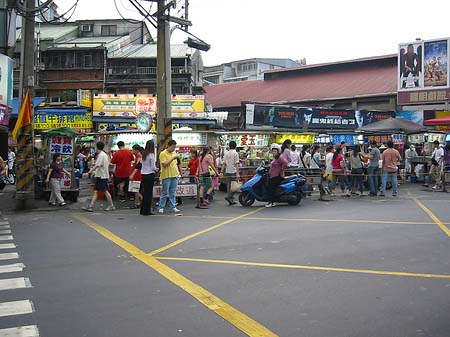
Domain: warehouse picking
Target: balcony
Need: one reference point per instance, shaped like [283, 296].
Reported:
[142, 72]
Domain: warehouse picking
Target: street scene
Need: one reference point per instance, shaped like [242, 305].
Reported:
[199, 168]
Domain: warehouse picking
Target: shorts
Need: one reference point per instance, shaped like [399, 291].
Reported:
[205, 181]
[118, 180]
[101, 185]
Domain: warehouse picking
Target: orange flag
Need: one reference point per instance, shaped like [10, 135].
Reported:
[24, 117]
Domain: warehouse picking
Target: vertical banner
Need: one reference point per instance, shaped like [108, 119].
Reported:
[436, 63]
[410, 66]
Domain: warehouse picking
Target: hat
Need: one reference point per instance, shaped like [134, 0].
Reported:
[382, 147]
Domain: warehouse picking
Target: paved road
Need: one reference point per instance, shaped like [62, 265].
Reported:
[344, 268]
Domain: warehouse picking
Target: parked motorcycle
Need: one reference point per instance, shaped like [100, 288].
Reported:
[289, 190]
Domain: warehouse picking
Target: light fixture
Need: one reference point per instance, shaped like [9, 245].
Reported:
[360, 139]
[425, 137]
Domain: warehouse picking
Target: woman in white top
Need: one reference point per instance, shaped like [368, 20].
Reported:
[305, 157]
[315, 160]
[148, 170]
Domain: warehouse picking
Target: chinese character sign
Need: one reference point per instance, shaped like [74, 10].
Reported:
[61, 144]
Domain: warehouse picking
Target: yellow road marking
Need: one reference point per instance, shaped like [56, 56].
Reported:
[315, 220]
[433, 217]
[293, 266]
[240, 320]
[186, 238]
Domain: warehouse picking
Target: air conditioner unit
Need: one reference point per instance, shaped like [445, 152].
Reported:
[86, 28]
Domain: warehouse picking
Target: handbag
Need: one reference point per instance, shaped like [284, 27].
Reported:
[134, 186]
[235, 186]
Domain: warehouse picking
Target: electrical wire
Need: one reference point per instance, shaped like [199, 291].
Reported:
[146, 14]
[123, 17]
[55, 20]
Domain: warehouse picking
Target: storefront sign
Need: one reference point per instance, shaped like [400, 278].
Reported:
[424, 96]
[84, 98]
[431, 137]
[398, 138]
[349, 139]
[5, 112]
[110, 105]
[6, 80]
[379, 139]
[190, 139]
[183, 190]
[315, 118]
[46, 119]
[415, 116]
[61, 144]
[295, 138]
[248, 140]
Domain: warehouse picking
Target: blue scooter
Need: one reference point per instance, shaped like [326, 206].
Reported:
[289, 190]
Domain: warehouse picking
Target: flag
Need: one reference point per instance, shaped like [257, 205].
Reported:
[24, 117]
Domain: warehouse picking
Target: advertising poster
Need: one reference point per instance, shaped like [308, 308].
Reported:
[415, 116]
[435, 63]
[6, 80]
[410, 66]
[315, 118]
[5, 112]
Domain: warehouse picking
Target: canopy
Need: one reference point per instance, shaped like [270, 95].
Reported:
[438, 121]
[64, 131]
[392, 125]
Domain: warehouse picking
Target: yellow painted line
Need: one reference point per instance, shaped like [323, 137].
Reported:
[240, 320]
[321, 268]
[189, 237]
[433, 217]
[315, 220]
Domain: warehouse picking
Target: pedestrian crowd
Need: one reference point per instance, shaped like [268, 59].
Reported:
[355, 171]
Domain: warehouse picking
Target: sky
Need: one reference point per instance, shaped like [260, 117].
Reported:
[319, 30]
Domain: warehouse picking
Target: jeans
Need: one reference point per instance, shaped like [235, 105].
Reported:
[357, 179]
[393, 178]
[148, 181]
[373, 179]
[169, 187]
[230, 177]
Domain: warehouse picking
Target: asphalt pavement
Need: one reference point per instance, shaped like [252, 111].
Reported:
[358, 266]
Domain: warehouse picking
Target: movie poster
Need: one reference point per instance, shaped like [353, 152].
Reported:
[435, 63]
[410, 66]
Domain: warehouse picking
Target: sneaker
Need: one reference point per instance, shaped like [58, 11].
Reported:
[269, 204]
[52, 203]
[175, 210]
[87, 209]
[394, 194]
[435, 187]
[63, 204]
[110, 208]
[381, 194]
[161, 211]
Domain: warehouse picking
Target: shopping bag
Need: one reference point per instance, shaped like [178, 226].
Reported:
[134, 186]
[235, 186]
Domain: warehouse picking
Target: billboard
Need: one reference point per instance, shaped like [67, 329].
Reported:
[423, 71]
[313, 118]
[45, 119]
[6, 80]
[110, 105]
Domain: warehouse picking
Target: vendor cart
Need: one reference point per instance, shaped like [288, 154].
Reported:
[62, 141]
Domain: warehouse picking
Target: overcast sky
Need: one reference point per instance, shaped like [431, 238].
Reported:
[318, 30]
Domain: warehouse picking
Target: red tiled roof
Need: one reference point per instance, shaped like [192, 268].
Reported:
[310, 86]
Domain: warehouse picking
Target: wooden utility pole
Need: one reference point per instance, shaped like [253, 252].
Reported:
[163, 81]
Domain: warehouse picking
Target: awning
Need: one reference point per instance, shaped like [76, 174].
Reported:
[194, 121]
[15, 104]
[438, 121]
[113, 120]
[61, 111]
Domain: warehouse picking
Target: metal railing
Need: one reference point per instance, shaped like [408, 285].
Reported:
[143, 71]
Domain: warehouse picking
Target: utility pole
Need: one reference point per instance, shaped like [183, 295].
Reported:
[163, 81]
[25, 146]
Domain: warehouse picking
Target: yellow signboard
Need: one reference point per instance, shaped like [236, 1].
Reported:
[46, 120]
[84, 98]
[295, 138]
[111, 105]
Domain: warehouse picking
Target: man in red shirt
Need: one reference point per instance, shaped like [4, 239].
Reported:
[193, 165]
[122, 159]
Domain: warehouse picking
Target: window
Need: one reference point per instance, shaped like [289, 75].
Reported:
[87, 61]
[109, 30]
[244, 67]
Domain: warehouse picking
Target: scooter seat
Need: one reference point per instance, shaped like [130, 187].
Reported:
[288, 178]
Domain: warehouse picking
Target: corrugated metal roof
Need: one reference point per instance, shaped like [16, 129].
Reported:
[141, 51]
[311, 86]
[52, 32]
[92, 42]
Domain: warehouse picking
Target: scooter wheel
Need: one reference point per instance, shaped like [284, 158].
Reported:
[246, 199]
[295, 201]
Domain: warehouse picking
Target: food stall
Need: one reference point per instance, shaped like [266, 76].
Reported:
[62, 141]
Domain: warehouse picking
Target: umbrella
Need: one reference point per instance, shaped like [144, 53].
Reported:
[392, 125]
[438, 121]
[64, 131]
